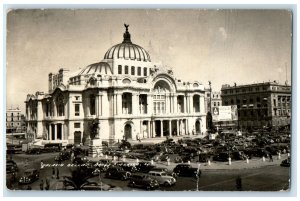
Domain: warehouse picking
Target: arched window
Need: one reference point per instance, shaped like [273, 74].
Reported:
[145, 71]
[126, 70]
[60, 106]
[119, 69]
[132, 70]
[139, 71]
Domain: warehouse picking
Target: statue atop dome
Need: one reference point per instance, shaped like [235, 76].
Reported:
[126, 26]
[126, 35]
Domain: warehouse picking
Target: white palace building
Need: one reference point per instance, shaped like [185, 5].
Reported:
[130, 96]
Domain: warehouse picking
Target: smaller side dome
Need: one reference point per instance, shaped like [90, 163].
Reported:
[102, 68]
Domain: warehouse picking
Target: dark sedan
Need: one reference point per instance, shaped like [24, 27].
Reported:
[30, 175]
[186, 170]
[117, 173]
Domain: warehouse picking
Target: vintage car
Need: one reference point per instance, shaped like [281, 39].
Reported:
[29, 176]
[187, 170]
[142, 180]
[117, 172]
[162, 178]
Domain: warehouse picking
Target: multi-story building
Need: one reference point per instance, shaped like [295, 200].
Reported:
[15, 121]
[126, 93]
[215, 97]
[260, 105]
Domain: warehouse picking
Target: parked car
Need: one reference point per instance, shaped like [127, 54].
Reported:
[29, 176]
[65, 155]
[34, 150]
[162, 178]
[143, 181]
[144, 167]
[94, 186]
[11, 166]
[52, 147]
[186, 170]
[117, 172]
[165, 170]
[286, 163]
[223, 156]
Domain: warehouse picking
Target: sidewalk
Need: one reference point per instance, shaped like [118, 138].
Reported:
[240, 164]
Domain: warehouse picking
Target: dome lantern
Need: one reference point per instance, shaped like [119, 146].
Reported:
[127, 50]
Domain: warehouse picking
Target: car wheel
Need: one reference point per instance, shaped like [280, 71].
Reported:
[166, 184]
[148, 188]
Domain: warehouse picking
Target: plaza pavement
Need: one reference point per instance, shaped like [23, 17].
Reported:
[213, 165]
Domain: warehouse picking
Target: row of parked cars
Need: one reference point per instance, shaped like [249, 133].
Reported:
[143, 174]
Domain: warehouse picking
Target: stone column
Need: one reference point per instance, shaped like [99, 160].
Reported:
[167, 106]
[148, 129]
[114, 104]
[154, 131]
[177, 122]
[184, 104]
[50, 132]
[119, 103]
[170, 128]
[97, 105]
[149, 104]
[161, 128]
[105, 104]
[191, 104]
[175, 104]
[134, 104]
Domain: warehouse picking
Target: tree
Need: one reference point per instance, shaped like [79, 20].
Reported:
[79, 177]
[94, 127]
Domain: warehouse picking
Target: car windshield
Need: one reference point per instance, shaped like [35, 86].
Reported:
[163, 174]
[27, 173]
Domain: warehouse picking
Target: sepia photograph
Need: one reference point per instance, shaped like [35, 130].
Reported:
[149, 100]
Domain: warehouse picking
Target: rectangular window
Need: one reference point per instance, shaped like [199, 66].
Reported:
[119, 69]
[215, 104]
[76, 125]
[145, 71]
[77, 109]
[132, 70]
[126, 70]
[92, 105]
[139, 71]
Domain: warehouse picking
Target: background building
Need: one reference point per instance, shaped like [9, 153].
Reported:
[15, 121]
[260, 105]
[126, 93]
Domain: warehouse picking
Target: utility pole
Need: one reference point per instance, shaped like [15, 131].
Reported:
[238, 122]
[210, 106]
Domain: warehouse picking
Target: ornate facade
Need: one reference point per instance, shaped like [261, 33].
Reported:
[127, 94]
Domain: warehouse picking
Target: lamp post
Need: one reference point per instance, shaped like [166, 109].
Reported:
[238, 122]
[210, 107]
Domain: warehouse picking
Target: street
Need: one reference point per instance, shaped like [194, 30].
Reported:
[265, 178]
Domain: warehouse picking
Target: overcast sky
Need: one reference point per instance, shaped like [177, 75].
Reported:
[223, 46]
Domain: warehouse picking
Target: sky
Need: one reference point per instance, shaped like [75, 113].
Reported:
[221, 46]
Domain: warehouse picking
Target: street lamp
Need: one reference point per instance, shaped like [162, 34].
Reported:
[210, 106]
[238, 122]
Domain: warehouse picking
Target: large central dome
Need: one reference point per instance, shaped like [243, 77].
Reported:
[127, 50]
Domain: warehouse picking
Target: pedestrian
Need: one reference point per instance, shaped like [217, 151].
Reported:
[42, 185]
[57, 173]
[42, 164]
[238, 183]
[47, 184]
[271, 158]
[53, 172]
